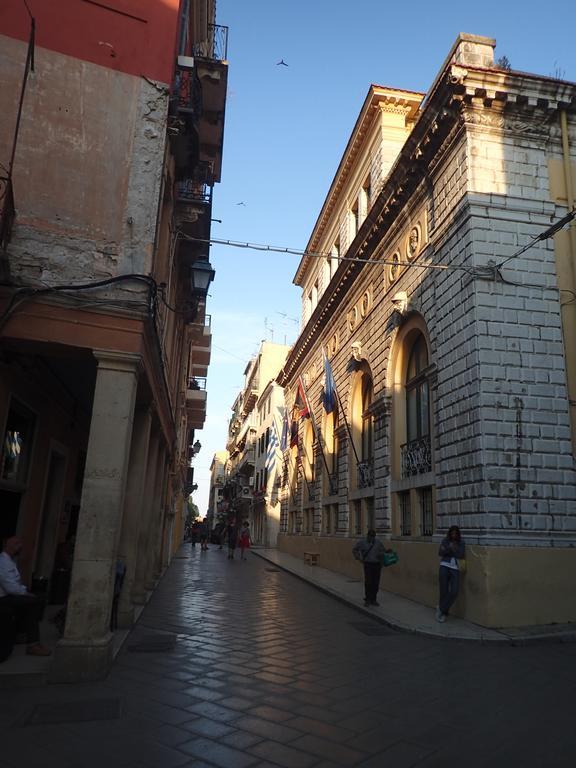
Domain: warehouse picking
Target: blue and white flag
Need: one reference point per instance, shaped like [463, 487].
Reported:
[285, 431]
[329, 396]
[273, 446]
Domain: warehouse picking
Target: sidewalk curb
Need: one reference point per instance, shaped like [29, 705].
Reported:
[550, 638]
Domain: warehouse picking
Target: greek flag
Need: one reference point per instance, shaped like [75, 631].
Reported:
[329, 396]
[273, 446]
[285, 431]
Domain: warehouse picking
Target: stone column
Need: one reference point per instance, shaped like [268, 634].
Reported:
[155, 549]
[145, 535]
[85, 651]
[342, 469]
[381, 410]
[133, 512]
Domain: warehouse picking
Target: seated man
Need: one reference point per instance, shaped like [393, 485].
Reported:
[13, 593]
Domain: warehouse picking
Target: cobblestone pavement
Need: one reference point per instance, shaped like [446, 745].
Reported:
[238, 664]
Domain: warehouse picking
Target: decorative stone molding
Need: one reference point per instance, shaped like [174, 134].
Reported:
[381, 407]
[360, 310]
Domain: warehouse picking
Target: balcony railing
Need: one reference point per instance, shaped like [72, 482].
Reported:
[197, 383]
[7, 211]
[188, 92]
[215, 47]
[365, 473]
[190, 191]
[416, 457]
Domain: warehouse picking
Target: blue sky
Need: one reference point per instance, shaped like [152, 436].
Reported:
[286, 129]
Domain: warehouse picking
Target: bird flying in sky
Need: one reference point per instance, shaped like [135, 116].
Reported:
[281, 63]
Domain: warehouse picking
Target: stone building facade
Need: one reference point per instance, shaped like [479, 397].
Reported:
[248, 493]
[104, 337]
[452, 353]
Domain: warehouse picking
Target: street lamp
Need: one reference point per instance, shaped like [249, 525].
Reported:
[196, 447]
[201, 275]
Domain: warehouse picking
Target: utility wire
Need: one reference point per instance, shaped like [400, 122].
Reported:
[556, 227]
[319, 255]
[488, 271]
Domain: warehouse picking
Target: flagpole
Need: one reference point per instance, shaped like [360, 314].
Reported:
[347, 425]
[316, 430]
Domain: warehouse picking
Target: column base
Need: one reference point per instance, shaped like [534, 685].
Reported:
[79, 661]
[126, 617]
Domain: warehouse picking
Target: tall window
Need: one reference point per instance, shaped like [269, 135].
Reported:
[333, 259]
[308, 461]
[331, 453]
[417, 392]
[367, 420]
[364, 199]
[412, 431]
[363, 430]
[354, 221]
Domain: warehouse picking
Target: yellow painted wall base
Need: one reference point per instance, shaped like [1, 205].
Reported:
[502, 587]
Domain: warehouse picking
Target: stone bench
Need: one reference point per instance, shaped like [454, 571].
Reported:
[311, 558]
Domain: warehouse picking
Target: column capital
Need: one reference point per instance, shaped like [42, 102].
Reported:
[108, 359]
[381, 408]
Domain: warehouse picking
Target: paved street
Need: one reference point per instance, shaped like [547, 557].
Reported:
[238, 664]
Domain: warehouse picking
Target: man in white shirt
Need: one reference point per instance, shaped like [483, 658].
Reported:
[15, 596]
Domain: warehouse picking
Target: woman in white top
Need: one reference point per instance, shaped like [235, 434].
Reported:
[452, 549]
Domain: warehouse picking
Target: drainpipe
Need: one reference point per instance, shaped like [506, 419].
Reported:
[568, 308]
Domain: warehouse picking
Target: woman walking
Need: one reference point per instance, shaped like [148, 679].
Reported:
[452, 551]
[244, 539]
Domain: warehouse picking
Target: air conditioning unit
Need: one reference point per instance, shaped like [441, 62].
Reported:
[246, 492]
[186, 62]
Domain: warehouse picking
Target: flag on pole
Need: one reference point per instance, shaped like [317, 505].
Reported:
[294, 428]
[285, 431]
[301, 402]
[272, 448]
[329, 395]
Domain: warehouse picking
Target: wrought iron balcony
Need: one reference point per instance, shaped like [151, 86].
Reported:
[215, 47]
[7, 211]
[416, 457]
[365, 473]
[187, 93]
[197, 383]
[190, 191]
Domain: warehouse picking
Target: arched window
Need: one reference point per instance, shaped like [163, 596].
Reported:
[363, 429]
[331, 452]
[308, 461]
[412, 425]
[367, 419]
[417, 392]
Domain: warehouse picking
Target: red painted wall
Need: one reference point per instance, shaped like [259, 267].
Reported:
[133, 36]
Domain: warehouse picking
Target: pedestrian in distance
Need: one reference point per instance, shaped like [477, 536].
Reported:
[371, 553]
[203, 533]
[452, 553]
[244, 539]
[194, 532]
[232, 538]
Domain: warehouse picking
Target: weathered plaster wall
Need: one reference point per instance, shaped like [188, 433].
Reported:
[87, 171]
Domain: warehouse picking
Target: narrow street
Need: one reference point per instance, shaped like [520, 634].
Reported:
[238, 664]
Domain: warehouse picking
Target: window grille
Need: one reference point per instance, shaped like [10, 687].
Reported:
[426, 512]
[405, 514]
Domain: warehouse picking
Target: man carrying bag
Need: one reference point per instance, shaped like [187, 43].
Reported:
[371, 553]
